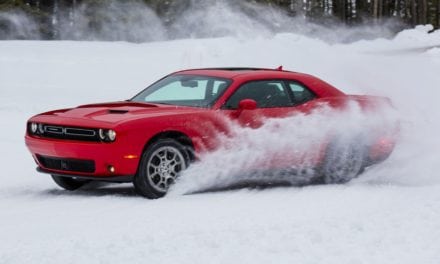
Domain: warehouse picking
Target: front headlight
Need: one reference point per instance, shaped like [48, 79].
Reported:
[111, 135]
[107, 135]
[34, 128]
[40, 129]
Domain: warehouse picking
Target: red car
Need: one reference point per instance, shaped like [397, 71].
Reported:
[155, 135]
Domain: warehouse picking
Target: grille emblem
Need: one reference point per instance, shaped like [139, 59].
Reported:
[63, 165]
[54, 129]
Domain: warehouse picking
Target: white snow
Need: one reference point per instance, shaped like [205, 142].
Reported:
[389, 215]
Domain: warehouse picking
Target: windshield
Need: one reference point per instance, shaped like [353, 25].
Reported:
[185, 90]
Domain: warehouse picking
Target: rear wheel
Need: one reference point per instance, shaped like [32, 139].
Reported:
[343, 162]
[159, 167]
[69, 183]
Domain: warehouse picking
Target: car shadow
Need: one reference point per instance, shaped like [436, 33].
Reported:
[98, 189]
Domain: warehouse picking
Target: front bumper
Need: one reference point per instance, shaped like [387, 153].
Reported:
[114, 178]
[122, 158]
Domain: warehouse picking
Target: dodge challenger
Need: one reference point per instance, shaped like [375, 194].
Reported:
[150, 139]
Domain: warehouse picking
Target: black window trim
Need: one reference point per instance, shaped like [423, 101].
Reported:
[284, 82]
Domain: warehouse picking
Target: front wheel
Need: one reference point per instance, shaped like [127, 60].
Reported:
[343, 162]
[69, 183]
[159, 167]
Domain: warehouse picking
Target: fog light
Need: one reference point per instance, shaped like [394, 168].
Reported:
[111, 169]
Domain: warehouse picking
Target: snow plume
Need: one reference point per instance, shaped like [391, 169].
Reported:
[17, 25]
[134, 21]
[211, 18]
[113, 20]
[302, 137]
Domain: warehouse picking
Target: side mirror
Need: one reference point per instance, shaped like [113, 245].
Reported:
[247, 104]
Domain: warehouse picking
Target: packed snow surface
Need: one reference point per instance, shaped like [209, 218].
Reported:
[391, 214]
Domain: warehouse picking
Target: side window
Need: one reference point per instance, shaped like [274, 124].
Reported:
[300, 93]
[265, 93]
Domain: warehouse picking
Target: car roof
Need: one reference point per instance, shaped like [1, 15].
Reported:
[246, 74]
[234, 72]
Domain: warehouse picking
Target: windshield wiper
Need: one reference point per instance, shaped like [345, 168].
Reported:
[160, 103]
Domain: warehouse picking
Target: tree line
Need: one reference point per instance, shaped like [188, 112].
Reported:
[47, 14]
[411, 12]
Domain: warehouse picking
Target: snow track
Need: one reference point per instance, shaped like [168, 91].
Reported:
[389, 215]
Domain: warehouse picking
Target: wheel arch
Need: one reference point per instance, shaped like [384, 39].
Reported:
[179, 136]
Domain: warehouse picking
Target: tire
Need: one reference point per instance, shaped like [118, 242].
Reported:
[343, 162]
[159, 167]
[69, 183]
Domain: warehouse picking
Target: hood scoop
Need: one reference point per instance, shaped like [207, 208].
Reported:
[117, 111]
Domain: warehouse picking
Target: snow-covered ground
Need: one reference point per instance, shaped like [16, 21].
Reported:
[389, 215]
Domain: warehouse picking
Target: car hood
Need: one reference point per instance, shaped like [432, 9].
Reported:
[116, 112]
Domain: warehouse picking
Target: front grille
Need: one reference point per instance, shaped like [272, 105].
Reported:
[75, 165]
[72, 133]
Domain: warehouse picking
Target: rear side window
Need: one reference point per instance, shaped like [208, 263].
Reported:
[300, 93]
[266, 93]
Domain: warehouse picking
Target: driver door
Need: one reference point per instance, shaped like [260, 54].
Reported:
[272, 97]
